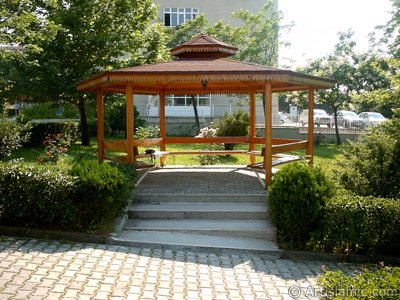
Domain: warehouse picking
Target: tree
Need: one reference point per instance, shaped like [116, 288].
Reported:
[86, 37]
[354, 73]
[386, 98]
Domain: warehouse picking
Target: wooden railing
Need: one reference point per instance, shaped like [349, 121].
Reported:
[278, 145]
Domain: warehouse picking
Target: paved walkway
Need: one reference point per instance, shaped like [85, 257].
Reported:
[202, 180]
[39, 269]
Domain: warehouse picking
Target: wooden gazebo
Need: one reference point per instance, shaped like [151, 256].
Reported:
[202, 67]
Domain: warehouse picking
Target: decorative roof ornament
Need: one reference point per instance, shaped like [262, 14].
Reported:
[204, 45]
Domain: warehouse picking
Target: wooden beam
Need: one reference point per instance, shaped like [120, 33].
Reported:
[162, 127]
[100, 125]
[268, 134]
[129, 123]
[281, 148]
[252, 131]
[147, 142]
[117, 145]
[207, 140]
[310, 145]
[208, 152]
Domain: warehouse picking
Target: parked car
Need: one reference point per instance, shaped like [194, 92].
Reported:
[349, 119]
[372, 119]
[320, 118]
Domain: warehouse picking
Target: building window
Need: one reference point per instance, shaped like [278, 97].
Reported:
[186, 100]
[176, 16]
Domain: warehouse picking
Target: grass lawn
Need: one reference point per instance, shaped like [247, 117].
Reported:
[325, 155]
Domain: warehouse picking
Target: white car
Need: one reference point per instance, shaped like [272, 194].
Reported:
[349, 119]
[320, 118]
[372, 119]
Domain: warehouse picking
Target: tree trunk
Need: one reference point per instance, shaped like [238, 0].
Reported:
[338, 141]
[196, 114]
[263, 103]
[84, 124]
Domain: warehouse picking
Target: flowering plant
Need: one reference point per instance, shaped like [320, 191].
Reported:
[55, 145]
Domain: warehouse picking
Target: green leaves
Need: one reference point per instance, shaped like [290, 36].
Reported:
[371, 165]
[297, 198]
[372, 283]
[357, 224]
[12, 135]
[88, 197]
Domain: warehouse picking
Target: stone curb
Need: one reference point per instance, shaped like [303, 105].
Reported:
[334, 257]
[109, 239]
[53, 235]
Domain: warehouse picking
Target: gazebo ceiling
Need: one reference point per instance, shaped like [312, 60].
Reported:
[202, 67]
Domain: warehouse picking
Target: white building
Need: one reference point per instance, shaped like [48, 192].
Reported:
[175, 12]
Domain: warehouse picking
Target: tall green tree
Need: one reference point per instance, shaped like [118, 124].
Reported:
[354, 73]
[386, 98]
[88, 37]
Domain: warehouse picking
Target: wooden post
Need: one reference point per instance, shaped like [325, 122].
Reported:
[310, 144]
[162, 127]
[100, 125]
[129, 123]
[252, 131]
[268, 134]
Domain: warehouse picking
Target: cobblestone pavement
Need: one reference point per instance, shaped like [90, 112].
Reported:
[40, 269]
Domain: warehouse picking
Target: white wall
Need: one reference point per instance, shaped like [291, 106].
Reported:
[214, 10]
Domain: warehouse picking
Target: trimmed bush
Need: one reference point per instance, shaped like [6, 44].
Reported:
[35, 196]
[297, 197]
[356, 224]
[87, 197]
[373, 283]
[40, 131]
[101, 193]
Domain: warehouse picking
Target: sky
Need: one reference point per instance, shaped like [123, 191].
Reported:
[318, 22]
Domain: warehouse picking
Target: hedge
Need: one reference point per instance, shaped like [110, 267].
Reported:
[40, 131]
[357, 224]
[87, 197]
[35, 196]
[379, 282]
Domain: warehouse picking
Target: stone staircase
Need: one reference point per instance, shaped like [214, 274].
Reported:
[209, 221]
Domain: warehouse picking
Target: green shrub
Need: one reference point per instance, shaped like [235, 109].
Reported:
[88, 197]
[49, 110]
[40, 131]
[233, 125]
[12, 135]
[373, 283]
[35, 196]
[101, 193]
[115, 116]
[148, 132]
[297, 197]
[371, 165]
[356, 224]
[128, 170]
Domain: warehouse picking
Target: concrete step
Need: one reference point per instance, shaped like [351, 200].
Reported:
[198, 210]
[185, 241]
[244, 228]
[214, 198]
